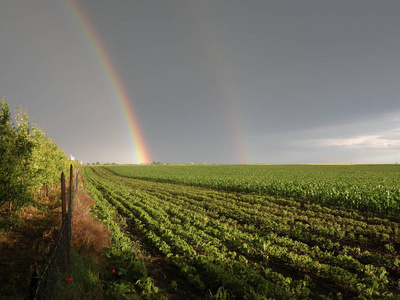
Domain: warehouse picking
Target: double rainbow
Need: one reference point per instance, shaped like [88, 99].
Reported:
[140, 152]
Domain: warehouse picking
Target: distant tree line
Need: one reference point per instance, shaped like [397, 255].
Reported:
[106, 164]
[29, 160]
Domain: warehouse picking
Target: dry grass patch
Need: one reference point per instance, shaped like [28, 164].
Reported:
[91, 235]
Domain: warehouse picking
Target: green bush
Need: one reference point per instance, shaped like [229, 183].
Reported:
[29, 159]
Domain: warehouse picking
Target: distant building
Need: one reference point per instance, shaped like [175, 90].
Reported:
[71, 157]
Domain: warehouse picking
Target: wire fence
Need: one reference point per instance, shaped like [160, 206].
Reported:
[58, 264]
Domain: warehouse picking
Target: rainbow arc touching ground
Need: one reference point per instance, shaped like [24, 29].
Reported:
[141, 153]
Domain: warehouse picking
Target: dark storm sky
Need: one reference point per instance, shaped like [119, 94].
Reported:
[210, 81]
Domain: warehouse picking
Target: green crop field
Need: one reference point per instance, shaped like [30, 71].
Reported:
[252, 232]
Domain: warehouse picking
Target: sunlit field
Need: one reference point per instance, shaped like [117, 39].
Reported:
[255, 232]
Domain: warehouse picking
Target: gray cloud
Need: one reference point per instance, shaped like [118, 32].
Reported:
[289, 82]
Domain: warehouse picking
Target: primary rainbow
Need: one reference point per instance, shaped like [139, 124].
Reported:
[141, 154]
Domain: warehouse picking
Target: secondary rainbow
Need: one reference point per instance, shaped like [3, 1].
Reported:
[223, 79]
[141, 154]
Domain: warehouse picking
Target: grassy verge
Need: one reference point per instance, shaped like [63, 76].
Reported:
[90, 238]
[85, 280]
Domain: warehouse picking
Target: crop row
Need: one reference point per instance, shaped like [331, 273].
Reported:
[130, 279]
[367, 188]
[257, 246]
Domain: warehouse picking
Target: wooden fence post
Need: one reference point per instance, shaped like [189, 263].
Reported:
[63, 198]
[76, 181]
[69, 237]
[71, 180]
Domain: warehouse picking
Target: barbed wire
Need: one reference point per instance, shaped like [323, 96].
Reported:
[58, 263]
[43, 286]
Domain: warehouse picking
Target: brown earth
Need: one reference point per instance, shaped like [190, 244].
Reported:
[27, 246]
